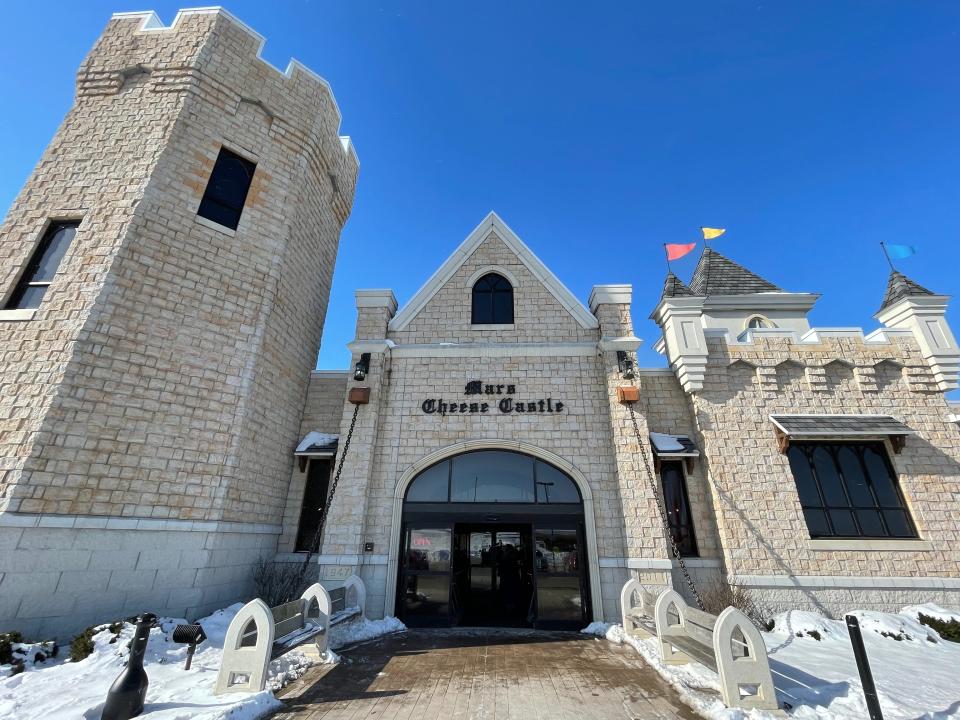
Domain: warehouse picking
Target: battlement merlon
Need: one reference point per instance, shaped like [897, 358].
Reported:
[210, 46]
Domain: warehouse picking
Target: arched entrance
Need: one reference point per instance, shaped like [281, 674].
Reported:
[493, 537]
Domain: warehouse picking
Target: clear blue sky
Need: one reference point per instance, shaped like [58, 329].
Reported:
[600, 131]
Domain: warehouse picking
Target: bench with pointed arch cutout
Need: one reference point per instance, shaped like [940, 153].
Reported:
[728, 644]
[258, 633]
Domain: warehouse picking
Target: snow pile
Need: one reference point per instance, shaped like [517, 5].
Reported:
[64, 690]
[815, 674]
[27, 655]
[363, 629]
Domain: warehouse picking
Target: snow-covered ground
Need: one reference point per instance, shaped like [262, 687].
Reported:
[62, 690]
[916, 672]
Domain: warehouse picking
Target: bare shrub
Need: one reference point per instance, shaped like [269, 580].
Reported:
[718, 596]
[277, 583]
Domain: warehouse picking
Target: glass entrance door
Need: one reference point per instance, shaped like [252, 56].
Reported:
[425, 577]
[493, 575]
[560, 578]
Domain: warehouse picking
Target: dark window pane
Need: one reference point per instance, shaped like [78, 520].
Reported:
[42, 267]
[503, 307]
[880, 477]
[828, 477]
[492, 301]
[426, 597]
[553, 486]
[314, 499]
[428, 549]
[678, 507]
[227, 189]
[843, 522]
[556, 551]
[898, 523]
[870, 523]
[492, 476]
[431, 484]
[853, 477]
[54, 252]
[27, 297]
[800, 466]
[816, 522]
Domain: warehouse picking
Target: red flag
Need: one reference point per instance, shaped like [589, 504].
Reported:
[676, 251]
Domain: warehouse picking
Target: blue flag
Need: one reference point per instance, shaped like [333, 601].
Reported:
[900, 252]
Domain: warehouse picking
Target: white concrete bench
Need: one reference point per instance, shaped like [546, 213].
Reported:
[729, 644]
[637, 607]
[258, 633]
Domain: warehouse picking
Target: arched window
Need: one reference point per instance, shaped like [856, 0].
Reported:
[492, 301]
[756, 322]
[493, 476]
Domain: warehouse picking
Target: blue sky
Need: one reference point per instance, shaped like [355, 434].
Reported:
[600, 131]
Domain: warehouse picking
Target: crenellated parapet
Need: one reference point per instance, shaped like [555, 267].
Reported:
[822, 360]
[209, 55]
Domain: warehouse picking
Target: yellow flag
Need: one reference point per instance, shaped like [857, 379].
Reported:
[711, 233]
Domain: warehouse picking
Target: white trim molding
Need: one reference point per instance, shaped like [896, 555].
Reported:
[375, 298]
[590, 525]
[870, 545]
[845, 581]
[636, 563]
[110, 522]
[19, 315]
[610, 295]
[493, 223]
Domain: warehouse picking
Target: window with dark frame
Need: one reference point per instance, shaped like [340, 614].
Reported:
[674, 485]
[492, 301]
[314, 499]
[849, 490]
[43, 265]
[227, 189]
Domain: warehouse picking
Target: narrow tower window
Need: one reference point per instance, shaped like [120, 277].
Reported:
[43, 266]
[678, 508]
[227, 189]
[492, 301]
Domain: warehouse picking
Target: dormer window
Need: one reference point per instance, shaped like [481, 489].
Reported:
[492, 301]
[760, 322]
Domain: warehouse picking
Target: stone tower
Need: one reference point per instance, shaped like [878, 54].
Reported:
[150, 403]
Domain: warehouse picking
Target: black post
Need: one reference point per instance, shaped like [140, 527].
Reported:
[863, 666]
[129, 690]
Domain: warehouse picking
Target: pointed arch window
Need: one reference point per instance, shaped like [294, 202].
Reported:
[492, 301]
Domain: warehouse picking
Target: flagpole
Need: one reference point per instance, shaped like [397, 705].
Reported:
[887, 255]
[667, 254]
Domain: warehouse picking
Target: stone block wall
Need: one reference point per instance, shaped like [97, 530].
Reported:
[762, 531]
[164, 376]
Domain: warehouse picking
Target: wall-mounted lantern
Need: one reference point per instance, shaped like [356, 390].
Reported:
[625, 364]
[362, 367]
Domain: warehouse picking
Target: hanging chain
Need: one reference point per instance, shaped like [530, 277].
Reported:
[663, 512]
[315, 543]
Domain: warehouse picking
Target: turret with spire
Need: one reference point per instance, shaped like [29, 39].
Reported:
[909, 305]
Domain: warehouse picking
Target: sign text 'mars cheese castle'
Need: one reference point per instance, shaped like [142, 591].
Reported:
[164, 279]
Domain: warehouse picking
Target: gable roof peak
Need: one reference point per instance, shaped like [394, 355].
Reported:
[493, 222]
[717, 274]
[899, 286]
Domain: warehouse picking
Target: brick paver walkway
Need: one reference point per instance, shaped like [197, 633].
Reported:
[489, 674]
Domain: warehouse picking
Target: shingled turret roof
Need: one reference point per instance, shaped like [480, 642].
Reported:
[900, 286]
[675, 287]
[718, 275]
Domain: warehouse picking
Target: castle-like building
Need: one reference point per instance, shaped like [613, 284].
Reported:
[498, 458]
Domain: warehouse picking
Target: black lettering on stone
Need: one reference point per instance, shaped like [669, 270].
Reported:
[474, 407]
[499, 389]
[463, 407]
[488, 389]
[484, 407]
[453, 407]
[511, 389]
[542, 404]
[559, 406]
[506, 405]
[429, 406]
[531, 407]
[473, 388]
[519, 407]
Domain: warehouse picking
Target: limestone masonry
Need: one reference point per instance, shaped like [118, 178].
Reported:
[165, 274]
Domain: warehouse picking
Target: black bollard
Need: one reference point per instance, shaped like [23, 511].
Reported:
[129, 690]
[863, 666]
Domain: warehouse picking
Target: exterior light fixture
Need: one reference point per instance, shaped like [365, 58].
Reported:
[625, 364]
[362, 367]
